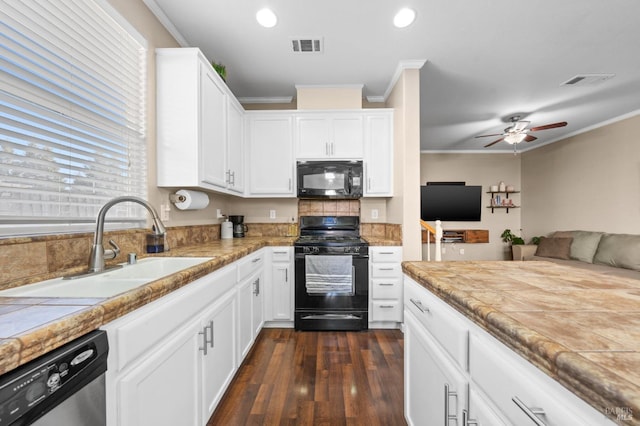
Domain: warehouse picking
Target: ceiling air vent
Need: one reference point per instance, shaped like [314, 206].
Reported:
[587, 79]
[306, 45]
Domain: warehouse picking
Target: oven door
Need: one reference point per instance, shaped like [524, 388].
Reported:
[331, 292]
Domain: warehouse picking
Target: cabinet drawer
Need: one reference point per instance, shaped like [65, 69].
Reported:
[386, 310]
[385, 254]
[386, 270]
[505, 377]
[250, 264]
[386, 288]
[281, 254]
[439, 319]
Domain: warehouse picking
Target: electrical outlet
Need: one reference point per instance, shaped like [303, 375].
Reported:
[218, 214]
[164, 212]
[374, 213]
[272, 214]
[461, 251]
[443, 250]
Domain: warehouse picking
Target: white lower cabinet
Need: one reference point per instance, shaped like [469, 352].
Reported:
[279, 288]
[435, 390]
[171, 360]
[493, 385]
[163, 389]
[218, 356]
[385, 286]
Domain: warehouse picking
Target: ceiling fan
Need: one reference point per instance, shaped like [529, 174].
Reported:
[518, 131]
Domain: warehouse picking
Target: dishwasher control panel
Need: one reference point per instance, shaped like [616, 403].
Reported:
[44, 382]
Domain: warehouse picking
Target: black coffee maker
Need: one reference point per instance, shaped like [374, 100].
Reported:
[239, 228]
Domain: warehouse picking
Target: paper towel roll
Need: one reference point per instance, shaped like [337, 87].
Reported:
[193, 200]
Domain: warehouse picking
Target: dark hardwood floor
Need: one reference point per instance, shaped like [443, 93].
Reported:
[318, 378]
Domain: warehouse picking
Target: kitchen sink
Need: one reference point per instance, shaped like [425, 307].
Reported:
[109, 283]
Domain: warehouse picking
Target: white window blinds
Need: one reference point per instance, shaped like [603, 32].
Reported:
[72, 115]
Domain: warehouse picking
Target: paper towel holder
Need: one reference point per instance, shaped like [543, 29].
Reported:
[177, 198]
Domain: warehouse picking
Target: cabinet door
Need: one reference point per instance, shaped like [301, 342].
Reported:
[347, 136]
[270, 151]
[245, 324]
[213, 142]
[378, 163]
[435, 391]
[235, 145]
[312, 137]
[219, 361]
[281, 291]
[163, 389]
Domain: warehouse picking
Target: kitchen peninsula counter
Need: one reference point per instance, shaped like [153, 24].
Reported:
[30, 327]
[579, 327]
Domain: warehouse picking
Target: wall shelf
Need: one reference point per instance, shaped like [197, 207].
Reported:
[467, 236]
[502, 206]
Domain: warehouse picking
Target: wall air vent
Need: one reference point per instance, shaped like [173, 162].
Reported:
[587, 79]
[307, 45]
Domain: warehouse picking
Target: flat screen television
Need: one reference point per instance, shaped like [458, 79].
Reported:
[451, 202]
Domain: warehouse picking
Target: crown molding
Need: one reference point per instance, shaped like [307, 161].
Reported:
[266, 100]
[166, 22]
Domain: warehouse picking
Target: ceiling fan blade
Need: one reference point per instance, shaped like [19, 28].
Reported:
[493, 143]
[548, 126]
[484, 136]
[530, 138]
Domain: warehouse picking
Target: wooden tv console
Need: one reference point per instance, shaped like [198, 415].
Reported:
[459, 236]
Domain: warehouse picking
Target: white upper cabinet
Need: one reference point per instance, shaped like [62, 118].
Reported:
[378, 154]
[235, 172]
[270, 165]
[199, 123]
[322, 135]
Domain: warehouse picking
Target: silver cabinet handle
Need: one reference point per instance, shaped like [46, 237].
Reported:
[290, 188]
[387, 269]
[419, 305]
[257, 259]
[280, 252]
[387, 306]
[533, 413]
[386, 252]
[207, 340]
[447, 394]
[203, 333]
[385, 284]
[466, 421]
[256, 287]
[232, 176]
[286, 275]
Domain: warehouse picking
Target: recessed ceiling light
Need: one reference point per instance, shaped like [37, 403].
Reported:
[404, 17]
[266, 18]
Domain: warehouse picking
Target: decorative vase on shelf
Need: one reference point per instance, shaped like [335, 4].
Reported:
[501, 187]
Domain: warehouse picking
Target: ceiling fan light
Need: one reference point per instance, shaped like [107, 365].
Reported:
[404, 18]
[514, 138]
[266, 18]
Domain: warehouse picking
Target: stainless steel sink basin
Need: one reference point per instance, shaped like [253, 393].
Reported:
[108, 283]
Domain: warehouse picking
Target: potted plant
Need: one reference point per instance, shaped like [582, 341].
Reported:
[519, 249]
[220, 69]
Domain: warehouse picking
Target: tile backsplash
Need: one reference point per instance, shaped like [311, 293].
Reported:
[44, 257]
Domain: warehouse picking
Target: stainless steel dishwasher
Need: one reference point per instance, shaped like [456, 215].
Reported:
[62, 387]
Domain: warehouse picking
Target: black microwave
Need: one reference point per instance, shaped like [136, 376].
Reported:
[329, 179]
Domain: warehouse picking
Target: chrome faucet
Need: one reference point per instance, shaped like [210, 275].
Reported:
[98, 253]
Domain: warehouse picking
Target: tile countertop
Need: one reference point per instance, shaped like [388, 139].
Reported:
[581, 328]
[30, 327]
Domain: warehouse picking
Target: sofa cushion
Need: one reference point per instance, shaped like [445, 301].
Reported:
[584, 245]
[559, 248]
[619, 250]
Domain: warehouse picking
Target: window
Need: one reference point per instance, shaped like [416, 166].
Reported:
[72, 116]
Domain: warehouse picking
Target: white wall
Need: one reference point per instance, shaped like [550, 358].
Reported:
[484, 170]
[586, 182]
